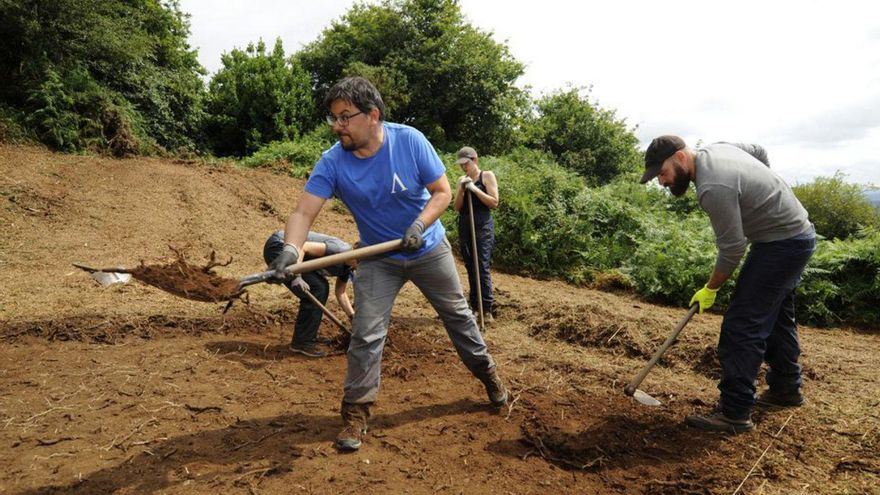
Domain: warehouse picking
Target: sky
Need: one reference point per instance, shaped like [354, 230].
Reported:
[801, 78]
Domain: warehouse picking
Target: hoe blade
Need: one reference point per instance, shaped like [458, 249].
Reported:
[645, 399]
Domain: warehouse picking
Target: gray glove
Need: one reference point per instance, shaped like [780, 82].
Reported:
[299, 286]
[412, 238]
[288, 256]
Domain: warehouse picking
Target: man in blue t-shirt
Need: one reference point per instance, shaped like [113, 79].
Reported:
[394, 183]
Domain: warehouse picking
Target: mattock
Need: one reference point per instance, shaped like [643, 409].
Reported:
[632, 389]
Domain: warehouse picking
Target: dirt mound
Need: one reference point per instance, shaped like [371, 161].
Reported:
[593, 326]
[101, 329]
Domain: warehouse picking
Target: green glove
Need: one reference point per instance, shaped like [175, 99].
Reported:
[704, 296]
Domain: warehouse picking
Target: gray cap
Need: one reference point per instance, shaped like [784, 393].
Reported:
[465, 154]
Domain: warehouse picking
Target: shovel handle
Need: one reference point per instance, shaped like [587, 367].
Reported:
[89, 269]
[327, 312]
[634, 384]
[324, 262]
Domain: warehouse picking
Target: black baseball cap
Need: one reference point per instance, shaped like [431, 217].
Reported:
[658, 151]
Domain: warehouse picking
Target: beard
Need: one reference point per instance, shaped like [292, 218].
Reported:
[348, 143]
[680, 182]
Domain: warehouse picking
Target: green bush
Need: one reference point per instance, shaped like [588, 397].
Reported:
[257, 97]
[837, 209]
[583, 137]
[11, 128]
[53, 118]
[296, 158]
[842, 282]
[75, 113]
[673, 259]
[89, 74]
[549, 224]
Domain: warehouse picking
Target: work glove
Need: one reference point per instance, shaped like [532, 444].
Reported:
[465, 181]
[412, 238]
[704, 296]
[299, 286]
[289, 256]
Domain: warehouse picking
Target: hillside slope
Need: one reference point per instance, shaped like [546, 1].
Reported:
[128, 389]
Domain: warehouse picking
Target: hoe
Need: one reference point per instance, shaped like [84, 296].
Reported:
[632, 389]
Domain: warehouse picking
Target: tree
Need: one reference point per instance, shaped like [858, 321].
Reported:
[435, 71]
[585, 138]
[126, 68]
[837, 209]
[257, 97]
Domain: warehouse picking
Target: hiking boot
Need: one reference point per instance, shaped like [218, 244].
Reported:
[769, 398]
[717, 421]
[487, 317]
[354, 418]
[311, 350]
[494, 388]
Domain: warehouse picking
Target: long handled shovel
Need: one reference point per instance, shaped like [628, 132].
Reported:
[190, 282]
[476, 261]
[324, 262]
[632, 389]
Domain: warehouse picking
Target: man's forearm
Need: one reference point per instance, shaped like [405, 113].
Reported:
[435, 207]
[717, 279]
[297, 229]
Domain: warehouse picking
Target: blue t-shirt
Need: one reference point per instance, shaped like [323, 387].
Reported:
[385, 192]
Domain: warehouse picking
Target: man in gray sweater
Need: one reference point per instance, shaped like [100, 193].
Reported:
[746, 203]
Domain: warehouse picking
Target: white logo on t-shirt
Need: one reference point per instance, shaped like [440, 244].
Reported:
[397, 182]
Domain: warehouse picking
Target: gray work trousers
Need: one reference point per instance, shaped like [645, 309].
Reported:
[377, 283]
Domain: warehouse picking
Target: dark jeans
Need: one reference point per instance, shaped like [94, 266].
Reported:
[760, 324]
[308, 319]
[485, 245]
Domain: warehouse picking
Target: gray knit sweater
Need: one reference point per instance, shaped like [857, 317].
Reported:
[745, 201]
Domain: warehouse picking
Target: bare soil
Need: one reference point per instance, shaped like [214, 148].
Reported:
[129, 389]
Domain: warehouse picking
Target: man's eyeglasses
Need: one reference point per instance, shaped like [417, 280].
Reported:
[342, 120]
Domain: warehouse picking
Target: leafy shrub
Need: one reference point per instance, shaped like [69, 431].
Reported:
[89, 74]
[296, 158]
[583, 137]
[674, 258]
[11, 129]
[257, 97]
[837, 209]
[74, 113]
[53, 119]
[842, 282]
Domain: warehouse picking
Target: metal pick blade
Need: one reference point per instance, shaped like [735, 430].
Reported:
[110, 278]
[645, 399]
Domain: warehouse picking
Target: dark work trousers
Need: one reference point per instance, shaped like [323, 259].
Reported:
[760, 324]
[485, 245]
[308, 319]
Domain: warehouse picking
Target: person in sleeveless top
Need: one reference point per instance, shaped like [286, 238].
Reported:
[483, 188]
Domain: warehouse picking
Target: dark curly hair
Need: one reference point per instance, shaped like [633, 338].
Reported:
[357, 91]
